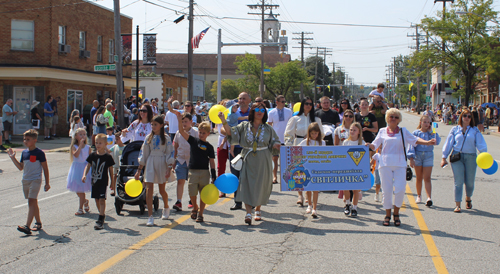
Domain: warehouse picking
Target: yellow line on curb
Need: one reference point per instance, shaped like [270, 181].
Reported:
[431, 246]
[133, 248]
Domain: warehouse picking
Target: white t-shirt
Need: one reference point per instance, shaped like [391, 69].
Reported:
[311, 143]
[375, 92]
[279, 126]
[342, 133]
[173, 123]
[352, 143]
[375, 157]
[197, 110]
[184, 149]
[296, 129]
[111, 141]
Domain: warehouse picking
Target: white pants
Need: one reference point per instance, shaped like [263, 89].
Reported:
[393, 179]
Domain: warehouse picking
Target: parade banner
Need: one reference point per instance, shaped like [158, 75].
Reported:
[323, 168]
[126, 49]
[149, 49]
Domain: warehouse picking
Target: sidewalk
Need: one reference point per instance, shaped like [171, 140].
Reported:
[60, 144]
[493, 130]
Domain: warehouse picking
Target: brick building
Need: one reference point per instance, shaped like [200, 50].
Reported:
[487, 91]
[175, 86]
[50, 47]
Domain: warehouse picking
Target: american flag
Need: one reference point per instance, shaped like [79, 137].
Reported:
[195, 41]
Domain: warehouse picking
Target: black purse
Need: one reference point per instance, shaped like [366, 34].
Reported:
[456, 157]
[409, 172]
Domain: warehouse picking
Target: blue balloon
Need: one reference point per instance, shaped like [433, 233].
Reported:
[227, 183]
[372, 180]
[492, 170]
[295, 113]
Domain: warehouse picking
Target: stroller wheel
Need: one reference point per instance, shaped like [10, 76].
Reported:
[156, 202]
[118, 206]
[142, 206]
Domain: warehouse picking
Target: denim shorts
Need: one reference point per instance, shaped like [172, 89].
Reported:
[424, 158]
[181, 171]
[377, 177]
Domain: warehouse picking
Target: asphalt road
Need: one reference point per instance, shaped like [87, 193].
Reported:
[429, 240]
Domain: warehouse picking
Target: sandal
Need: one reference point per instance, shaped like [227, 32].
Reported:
[275, 181]
[37, 227]
[398, 221]
[24, 229]
[387, 219]
[468, 204]
[258, 216]
[199, 219]
[248, 218]
[301, 201]
[194, 214]
[79, 212]
[86, 206]
[457, 209]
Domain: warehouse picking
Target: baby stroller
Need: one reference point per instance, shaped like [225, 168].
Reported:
[128, 168]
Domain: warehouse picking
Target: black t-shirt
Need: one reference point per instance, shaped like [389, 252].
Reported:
[476, 116]
[34, 111]
[380, 117]
[367, 121]
[201, 153]
[329, 117]
[100, 165]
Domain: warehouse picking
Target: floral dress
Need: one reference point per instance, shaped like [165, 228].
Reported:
[256, 174]
[137, 131]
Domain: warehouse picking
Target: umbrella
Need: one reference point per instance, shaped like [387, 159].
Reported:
[492, 105]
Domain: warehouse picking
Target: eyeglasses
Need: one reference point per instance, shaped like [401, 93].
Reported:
[467, 116]
[394, 117]
[348, 116]
[282, 101]
[308, 104]
[258, 101]
[260, 109]
[143, 110]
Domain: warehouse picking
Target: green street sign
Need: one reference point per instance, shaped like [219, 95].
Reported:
[116, 58]
[427, 99]
[104, 67]
[297, 92]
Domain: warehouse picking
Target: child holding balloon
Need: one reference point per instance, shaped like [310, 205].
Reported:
[79, 153]
[101, 163]
[202, 153]
[422, 157]
[355, 139]
[157, 156]
[313, 138]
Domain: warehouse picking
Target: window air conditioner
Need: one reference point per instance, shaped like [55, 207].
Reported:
[64, 48]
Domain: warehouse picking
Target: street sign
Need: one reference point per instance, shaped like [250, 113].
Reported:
[116, 58]
[104, 67]
[297, 92]
[413, 98]
[427, 99]
[442, 93]
[362, 87]
[267, 71]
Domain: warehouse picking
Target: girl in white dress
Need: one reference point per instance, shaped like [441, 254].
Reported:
[157, 155]
[355, 139]
[79, 153]
[314, 138]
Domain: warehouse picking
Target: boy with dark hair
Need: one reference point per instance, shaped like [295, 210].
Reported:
[100, 162]
[32, 163]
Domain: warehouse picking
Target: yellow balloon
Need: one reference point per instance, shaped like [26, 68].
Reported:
[133, 188]
[296, 107]
[210, 194]
[484, 160]
[226, 112]
[213, 113]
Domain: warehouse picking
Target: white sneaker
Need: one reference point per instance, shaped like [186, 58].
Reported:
[309, 209]
[166, 213]
[418, 200]
[377, 197]
[151, 221]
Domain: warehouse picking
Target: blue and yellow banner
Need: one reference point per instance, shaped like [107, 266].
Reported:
[323, 168]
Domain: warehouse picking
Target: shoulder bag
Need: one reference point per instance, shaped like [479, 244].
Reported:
[456, 157]
[409, 172]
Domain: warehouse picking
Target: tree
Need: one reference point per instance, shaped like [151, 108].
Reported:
[229, 89]
[470, 50]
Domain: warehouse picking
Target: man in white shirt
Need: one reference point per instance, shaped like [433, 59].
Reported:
[171, 120]
[197, 108]
[278, 118]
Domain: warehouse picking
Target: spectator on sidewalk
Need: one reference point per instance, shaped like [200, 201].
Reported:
[7, 119]
[55, 117]
[48, 114]
[35, 116]
[95, 106]
[171, 120]
[109, 114]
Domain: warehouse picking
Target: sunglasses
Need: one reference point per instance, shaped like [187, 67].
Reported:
[143, 110]
[308, 104]
[467, 116]
[348, 116]
[282, 101]
[394, 117]
[260, 110]
[188, 106]
[343, 103]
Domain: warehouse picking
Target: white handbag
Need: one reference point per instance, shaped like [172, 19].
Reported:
[237, 162]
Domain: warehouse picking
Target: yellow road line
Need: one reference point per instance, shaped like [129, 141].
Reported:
[431, 246]
[228, 198]
[131, 249]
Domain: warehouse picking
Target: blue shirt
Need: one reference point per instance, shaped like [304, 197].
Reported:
[132, 106]
[7, 118]
[242, 114]
[420, 148]
[48, 107]
[54, 106]
[92, 113]
[455, 139]
[32, 160]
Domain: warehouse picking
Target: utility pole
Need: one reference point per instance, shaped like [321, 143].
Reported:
[417, 37]
[394, 76]
[119, 72]
[428, 77]
[443, 69]
[315, 75]
[263, 7]
[302, 43]
[190, 52]
[325, 53]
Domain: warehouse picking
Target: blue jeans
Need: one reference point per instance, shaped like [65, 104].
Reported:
[464, 172]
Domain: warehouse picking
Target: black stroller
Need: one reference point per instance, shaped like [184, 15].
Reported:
[128, 168]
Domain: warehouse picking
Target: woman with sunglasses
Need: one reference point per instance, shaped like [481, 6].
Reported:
[465, 138]
[189, 108]
[140, 128]
[392, 162]
[259, 143]
[342, 132]
[296, 129]
[344, 105]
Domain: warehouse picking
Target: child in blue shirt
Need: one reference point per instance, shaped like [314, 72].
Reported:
[32, 163]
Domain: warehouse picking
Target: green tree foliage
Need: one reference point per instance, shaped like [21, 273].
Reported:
[229, 89]
[471, 51]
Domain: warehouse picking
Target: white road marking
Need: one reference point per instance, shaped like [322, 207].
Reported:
[46, 198]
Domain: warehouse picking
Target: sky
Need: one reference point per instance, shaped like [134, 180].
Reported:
[362, 51]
